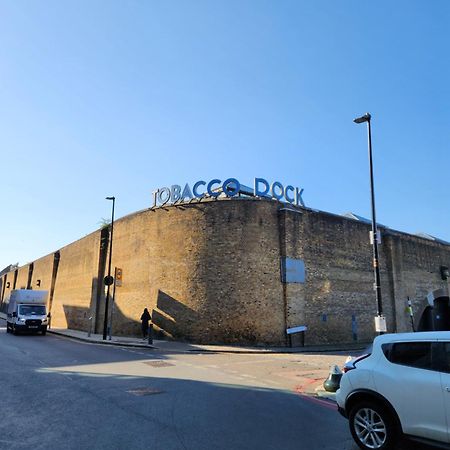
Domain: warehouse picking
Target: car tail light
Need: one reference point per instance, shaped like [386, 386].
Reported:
[351, 364]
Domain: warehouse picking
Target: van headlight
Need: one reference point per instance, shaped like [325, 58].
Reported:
[21, 319]
[44, 321]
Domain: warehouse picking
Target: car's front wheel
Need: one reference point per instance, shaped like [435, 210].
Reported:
[373, 427]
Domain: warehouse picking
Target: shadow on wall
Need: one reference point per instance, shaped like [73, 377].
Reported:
[434, 313]
[426, 320]
[173, 317]
[435, 317]
[179, 321]
[4, 306]
[170, 319]
[77, 318]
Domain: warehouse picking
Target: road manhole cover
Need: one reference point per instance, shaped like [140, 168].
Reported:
[140, 392]
[158, 363]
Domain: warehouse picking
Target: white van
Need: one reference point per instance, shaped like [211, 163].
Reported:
[27, 311]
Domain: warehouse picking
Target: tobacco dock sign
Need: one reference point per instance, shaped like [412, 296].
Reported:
[230, 187]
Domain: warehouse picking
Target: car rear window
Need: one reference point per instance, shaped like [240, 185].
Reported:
[445, 360]
[413, 354]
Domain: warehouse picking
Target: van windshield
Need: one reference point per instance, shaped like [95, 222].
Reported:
[32, 310]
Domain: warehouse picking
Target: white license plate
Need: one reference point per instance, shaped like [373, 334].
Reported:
[33, 326]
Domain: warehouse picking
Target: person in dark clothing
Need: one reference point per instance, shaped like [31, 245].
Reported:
[145, 319]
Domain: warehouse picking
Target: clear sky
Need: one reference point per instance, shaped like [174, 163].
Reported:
[101, 98]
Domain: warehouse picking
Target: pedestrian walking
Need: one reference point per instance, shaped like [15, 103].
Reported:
[145, 319]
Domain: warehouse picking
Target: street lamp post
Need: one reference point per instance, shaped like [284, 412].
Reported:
[105, 321]
[380, 322]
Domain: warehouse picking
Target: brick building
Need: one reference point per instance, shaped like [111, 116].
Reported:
[214, 271]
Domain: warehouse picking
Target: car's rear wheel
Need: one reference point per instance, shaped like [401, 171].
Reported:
[373, 427]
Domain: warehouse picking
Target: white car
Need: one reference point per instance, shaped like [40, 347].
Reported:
[401, 388]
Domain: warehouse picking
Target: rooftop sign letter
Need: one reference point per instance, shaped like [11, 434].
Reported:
[231, 187]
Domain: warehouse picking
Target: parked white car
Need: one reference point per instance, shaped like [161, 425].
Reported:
[401, 388]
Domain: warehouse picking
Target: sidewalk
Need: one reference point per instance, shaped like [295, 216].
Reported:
[183, 347]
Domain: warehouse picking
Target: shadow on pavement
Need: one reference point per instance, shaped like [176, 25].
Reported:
[101, 397]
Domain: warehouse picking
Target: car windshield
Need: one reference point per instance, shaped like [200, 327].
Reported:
[32, 310]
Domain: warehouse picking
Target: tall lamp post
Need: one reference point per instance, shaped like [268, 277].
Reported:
[380, 321]
[108, 279]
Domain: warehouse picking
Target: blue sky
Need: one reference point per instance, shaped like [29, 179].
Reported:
[102, 98]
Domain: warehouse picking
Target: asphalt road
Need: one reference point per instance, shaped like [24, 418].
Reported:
[63, 394]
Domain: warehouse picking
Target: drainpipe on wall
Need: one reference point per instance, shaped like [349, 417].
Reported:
[2, 294]
[56, 257]
[16, 272]
[282, 245]
[99, 290]
[30, 275]
[445, 276]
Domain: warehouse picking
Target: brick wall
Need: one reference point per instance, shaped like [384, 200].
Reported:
[338, 302]
[210, 272]
[207, 272]
[42, 270]
[22, 277]
[75, 283]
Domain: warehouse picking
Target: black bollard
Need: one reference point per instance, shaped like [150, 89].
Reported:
[150, 334]
[331, 384]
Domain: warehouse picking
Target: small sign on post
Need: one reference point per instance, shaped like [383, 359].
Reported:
[108, 280]
[118, 276]
[150, 334]
[378, 237]
[380, 324]
[294, 330]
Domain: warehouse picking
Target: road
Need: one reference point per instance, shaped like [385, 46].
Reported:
[64, 394]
